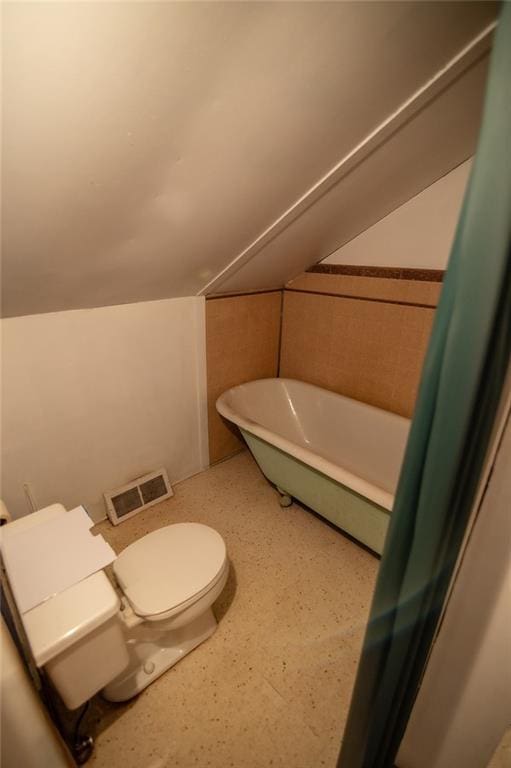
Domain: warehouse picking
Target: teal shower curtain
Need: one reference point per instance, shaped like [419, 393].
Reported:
[463, 376]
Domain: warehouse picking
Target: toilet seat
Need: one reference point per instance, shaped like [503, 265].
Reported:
[171, 568]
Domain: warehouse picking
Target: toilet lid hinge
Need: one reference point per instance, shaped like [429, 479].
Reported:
[128, 615]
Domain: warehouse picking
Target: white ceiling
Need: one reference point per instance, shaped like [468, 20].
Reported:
[421, 151]
[147, 145]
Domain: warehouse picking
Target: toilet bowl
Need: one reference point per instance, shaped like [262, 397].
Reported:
[169, 579]
[93, 636]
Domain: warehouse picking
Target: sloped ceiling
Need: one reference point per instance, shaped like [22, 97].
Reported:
[148, 145]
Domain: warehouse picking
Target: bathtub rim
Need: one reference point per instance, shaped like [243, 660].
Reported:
[343, 476]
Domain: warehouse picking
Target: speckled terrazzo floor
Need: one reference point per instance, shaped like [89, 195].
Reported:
[272, 686]
[502, 756]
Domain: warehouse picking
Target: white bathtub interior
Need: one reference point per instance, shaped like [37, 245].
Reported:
[366, 441]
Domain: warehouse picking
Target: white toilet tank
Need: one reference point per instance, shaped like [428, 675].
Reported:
[76, 635]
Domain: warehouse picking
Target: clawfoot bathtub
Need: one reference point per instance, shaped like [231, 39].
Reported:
[338, 456]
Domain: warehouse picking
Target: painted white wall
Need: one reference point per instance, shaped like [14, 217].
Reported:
[464, 704]
[147, 144]
[93, 398]
[417, 234]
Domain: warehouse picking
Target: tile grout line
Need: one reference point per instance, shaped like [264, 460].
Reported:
[362, 298]
[281, 323]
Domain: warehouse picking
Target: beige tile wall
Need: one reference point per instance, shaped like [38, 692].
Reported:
[370, 350]
[408, 291]
[242, 343]
[359, 336]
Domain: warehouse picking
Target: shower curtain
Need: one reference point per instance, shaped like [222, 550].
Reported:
[463, 376]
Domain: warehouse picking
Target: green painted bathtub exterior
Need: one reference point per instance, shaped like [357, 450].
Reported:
[361, 518]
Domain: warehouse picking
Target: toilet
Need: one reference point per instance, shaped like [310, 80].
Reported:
[95, 636]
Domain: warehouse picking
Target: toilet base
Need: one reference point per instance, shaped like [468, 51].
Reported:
[153, 651]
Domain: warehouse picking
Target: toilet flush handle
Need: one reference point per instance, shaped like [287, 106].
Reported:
[5, 516]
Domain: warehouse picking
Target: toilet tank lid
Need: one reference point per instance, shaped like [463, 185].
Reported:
[170, 566]
[28, 521]
[62, 620]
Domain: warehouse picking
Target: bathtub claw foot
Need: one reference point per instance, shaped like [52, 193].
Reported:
[285, 500]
